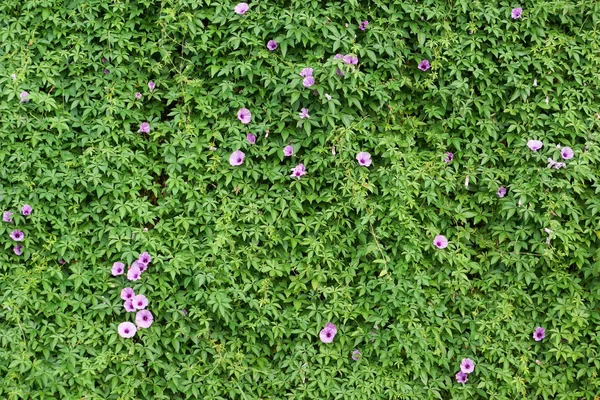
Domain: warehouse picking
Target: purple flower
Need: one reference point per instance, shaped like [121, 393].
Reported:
[461, 377]
[141, 266]
[539, 334]
[304, 113]
[424, 65]
[440, 242]
[241, 8]
[144, 127]
[104, 60]
[467, 365]
[306, 72]
[62, 261]
[501, 191]
[308, 81]
[288, 151]
[251, 138]
[143, 319]
[18, 249]
[151, 85]
[145, 258]
[449, 157]
[236, 158]
[516, 12]
[567, 153]
[24, 96]
[118, 268]
[17, 235]
[339, 72]
[271, 45]
[127, 293]
[138, 95]
[356, 353]
[128, 305]
[337, 56]
[535, 145]
[244, 115]
[127, 329]
[134, 273]
[298, 171]
[363, 25]
[139, 301]
[350, 59]
[7, 216]
[328, 333]
[26, 209]
[106, 71]
[364, 159]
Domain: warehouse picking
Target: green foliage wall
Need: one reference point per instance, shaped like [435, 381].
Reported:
[248, 263]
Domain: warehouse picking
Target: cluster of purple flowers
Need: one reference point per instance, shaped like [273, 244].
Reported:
[466, 367]
[133, 302]
[17, 235]
[566, 153]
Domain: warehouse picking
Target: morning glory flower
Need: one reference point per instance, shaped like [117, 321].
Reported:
[143, 319]
[306, 72]
[364, 159]
[24, 97]
[501, 191]
[7, 216]
[363, 25]
[356, 355]
[145, 258]
[126, 330]
[26, 209]
[288, 151]
[449, 157]
[516, 12]
[328, 333]
[308, 81]
[440, 242]
[271, 45]
[139, 301]
[128, 306]
[138, 95]
[304, 113]
[567, 153]
[17, 235]
[144, 127]
[424, 65]
[244, 115]
[18, 249]
[118, 268]
[241, 8]
[127, 293]
[461, 377]
[251, 138]
[298, 171]
[350, 59]
[151, 85]
[535, 145]
[467, 365]
[539, 334]
[236, 158]
[134, 273]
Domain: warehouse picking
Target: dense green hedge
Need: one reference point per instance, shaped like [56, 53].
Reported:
[248, 263]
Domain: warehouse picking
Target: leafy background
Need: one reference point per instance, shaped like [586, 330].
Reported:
[249, 264]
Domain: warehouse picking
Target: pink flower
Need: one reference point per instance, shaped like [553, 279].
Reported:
[288, 151]
[363, 25]
[298, 171]
[236, 158]
[535, 145]
[306, 72]
[24, 97]
[516, 13]
[7, 217]
[140, 265]
[440, 242]
[127, 329]
[118, 268]
[144, 127]
[449, 157]
[467, 365]
[151, 85]
[139, 301]
[461, 377]
[17, 235]
[304, 113]
[244, 115]
[241, 8]
[308, 81]
[138, 95]
[134, 273]
[127, 293]
[144, 258]
[128, 305]
[328, 333]
[356, 355]
[501, 191]
[143, 319]
[337, 56]
[364, 159]
[350, 59]
[567, 153]
[18, 249]
[251, 138]
[424, 65]
[26, 209]
[271, 45]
